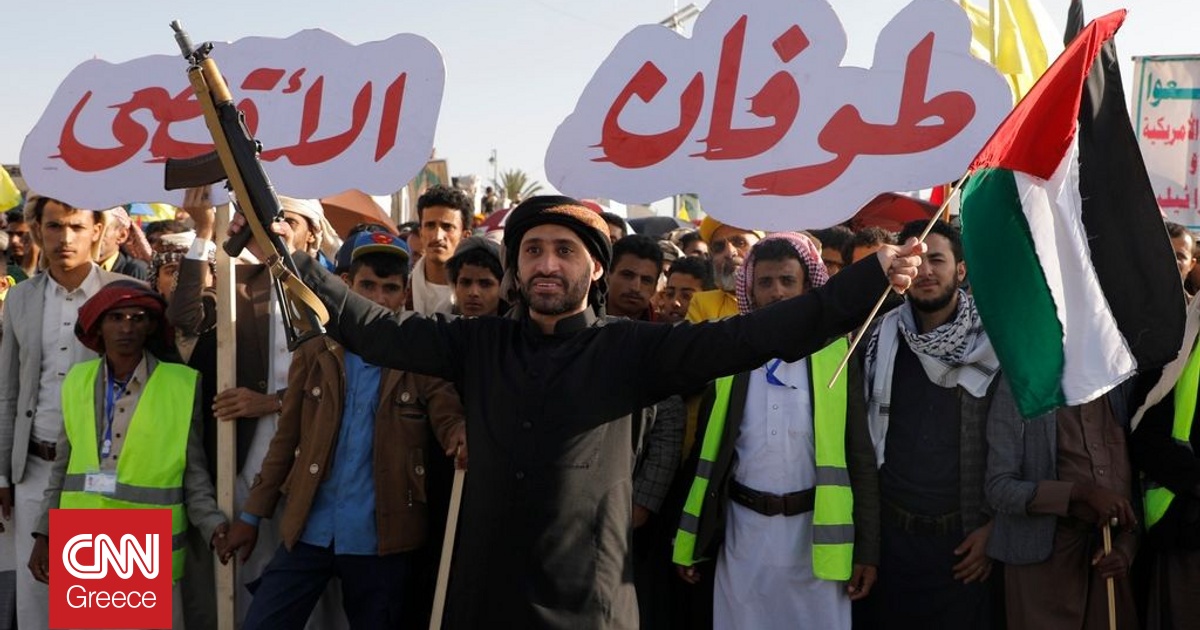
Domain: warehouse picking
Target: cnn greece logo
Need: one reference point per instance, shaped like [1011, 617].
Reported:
[110, 568]
[105, 553]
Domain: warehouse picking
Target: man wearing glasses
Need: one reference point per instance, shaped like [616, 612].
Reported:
[727, 247]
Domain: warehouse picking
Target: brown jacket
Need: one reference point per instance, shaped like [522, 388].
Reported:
[301, 452]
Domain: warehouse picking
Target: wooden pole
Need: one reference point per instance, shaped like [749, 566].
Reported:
[1108, 582]
[879, 304]
[443, 579]
[226, 431]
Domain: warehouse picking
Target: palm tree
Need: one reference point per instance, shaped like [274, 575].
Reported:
[515, 185]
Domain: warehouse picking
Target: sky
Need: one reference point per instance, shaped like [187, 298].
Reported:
[514, 68]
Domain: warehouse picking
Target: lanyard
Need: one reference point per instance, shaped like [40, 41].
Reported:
[110, 403]
[771, 378]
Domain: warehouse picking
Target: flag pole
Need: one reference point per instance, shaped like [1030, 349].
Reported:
[879, 304]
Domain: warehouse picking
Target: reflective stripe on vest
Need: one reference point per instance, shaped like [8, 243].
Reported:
[1157, 498]
[153, 456]
[833, 511]
[833, 524]
[689, 523]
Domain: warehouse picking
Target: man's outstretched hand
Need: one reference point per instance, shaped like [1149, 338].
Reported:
[900, 263]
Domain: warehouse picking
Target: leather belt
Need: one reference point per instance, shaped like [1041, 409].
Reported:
[919, 524]
[769, 504]
[44, 450]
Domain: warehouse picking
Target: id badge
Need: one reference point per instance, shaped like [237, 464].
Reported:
[100, 483]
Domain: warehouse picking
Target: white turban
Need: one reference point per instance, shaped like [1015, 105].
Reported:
[326, 237]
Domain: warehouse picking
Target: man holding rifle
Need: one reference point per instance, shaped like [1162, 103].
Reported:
[545, 531]
[263, 359]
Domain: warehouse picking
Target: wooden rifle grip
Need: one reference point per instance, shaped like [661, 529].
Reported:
[216, 82]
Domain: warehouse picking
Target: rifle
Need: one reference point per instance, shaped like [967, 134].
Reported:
[235, 160]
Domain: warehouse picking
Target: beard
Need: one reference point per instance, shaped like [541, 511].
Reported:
[574, 292]
[726, 275]
[937, 302]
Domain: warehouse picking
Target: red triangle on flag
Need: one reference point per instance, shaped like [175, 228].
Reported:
[1039, 130]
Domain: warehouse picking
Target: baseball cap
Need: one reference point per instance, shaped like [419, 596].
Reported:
[370, 243]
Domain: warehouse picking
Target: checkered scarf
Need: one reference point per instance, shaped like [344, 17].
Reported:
[815, 270]
[955, 354]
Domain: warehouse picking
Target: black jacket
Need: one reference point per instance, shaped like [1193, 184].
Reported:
[1163, 461]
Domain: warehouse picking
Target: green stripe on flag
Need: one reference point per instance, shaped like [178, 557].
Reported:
[1010, 290]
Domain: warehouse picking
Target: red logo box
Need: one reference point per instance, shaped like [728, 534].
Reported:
[110, 569]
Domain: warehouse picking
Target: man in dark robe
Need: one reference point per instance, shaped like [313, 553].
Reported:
[545, 527]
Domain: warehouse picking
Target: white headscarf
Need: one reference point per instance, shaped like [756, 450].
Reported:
[327, 240]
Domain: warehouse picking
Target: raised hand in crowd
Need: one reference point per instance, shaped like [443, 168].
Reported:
[197, 202]
[900, 262]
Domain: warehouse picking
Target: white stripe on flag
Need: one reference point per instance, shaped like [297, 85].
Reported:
[1097, 357]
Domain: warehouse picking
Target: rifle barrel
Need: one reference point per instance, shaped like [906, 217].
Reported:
[181, 38]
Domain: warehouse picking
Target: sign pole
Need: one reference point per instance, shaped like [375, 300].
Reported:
[226, 431]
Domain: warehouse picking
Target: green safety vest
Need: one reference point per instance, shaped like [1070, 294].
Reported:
[833, 523]
[153, 457]
[1158, 499]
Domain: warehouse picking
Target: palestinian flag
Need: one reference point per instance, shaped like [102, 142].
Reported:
[1067, 254]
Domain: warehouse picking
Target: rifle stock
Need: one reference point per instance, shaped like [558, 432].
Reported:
[236, 152]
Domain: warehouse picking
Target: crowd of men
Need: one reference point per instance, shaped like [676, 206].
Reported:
[647, 422]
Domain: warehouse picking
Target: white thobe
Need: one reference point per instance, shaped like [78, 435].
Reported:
[764, 576]
[429, 298]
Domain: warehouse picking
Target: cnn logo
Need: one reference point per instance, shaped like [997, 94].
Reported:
[106, 553]
[110, 569]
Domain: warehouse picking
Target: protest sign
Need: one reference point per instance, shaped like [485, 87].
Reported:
[330, 116]
[756, 114]
[1166, 116]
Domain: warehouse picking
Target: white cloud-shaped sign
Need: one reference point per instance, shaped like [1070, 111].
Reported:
[330, 116]
[756, 114]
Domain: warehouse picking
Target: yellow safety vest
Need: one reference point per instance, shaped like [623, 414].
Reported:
[153, 456]
[833, 522]
[1157, 498]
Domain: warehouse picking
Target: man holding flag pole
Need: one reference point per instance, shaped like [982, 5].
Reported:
[1057, 191]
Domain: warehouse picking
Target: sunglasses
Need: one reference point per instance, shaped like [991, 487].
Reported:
[718, 246]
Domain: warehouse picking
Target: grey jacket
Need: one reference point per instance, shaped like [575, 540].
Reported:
[1022, 453]
[21, 369]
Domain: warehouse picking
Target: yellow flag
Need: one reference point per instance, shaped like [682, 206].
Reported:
[1015, 36]
[689, 204]
[10, 197]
